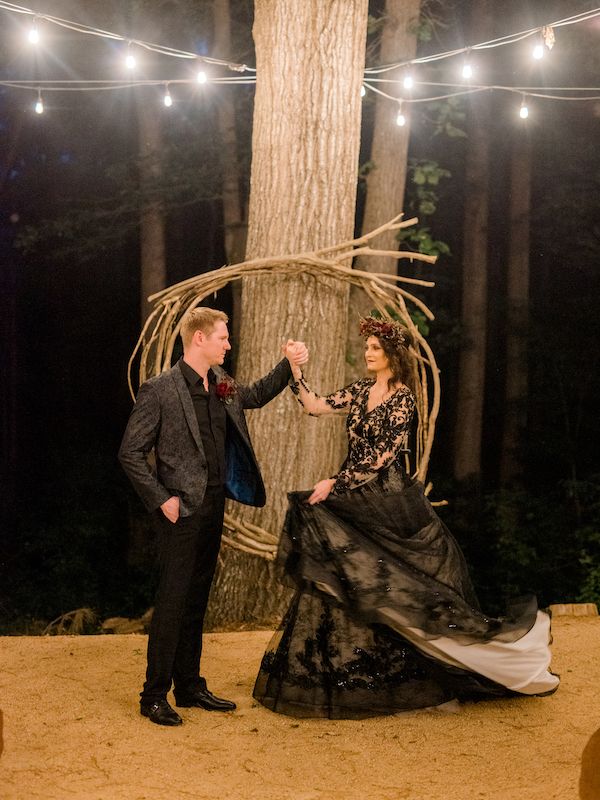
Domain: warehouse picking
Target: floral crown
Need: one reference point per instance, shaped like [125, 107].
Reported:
[392, 332]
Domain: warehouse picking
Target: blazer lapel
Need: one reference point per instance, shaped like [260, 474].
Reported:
[188, 406]
[232, 409]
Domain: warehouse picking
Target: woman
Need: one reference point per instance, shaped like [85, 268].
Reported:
[384, 617]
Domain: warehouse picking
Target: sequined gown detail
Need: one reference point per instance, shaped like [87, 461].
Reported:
[384, 617]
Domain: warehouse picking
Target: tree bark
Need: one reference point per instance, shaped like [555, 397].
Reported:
[471, 377]
[234, 218]
[233, 206]
[306, 135]
[387, 179]
[153, 262]
[517, 317]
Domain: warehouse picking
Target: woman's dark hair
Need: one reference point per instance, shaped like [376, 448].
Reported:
[401, 360]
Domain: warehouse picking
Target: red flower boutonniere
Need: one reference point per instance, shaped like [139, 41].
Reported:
[226, 390]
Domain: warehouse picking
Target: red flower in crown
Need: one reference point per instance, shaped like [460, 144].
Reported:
[392, 331]
[225, 389]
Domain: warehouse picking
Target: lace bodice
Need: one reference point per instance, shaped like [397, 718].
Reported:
[376, 439]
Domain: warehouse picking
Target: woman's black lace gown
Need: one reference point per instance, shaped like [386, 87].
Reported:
[384, 617]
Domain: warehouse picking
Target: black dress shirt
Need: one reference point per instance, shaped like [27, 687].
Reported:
[212, 421]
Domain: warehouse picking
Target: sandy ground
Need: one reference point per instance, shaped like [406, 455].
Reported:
[72, 730]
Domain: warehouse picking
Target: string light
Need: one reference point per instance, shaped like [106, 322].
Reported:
[39, 104]
[545, 38]
[538, 51]
[511, 38]
[467, 69]
[523, 111]
[547, 31]
[167, 99]
[33, 37]
[130, 58]
[89, 30]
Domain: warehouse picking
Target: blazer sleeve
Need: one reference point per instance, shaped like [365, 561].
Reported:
[139, 438]
[265, 389]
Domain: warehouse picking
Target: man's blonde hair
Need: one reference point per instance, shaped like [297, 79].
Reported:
[200, 319]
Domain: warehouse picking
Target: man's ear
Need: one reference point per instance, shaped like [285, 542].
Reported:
[199, 337]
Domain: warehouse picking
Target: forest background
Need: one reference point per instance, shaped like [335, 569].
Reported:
[104, 194]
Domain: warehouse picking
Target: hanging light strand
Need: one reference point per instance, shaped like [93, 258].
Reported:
[92, 31]
[547, 32]
[512, 38]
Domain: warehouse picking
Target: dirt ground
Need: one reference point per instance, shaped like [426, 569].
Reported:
[72, 730]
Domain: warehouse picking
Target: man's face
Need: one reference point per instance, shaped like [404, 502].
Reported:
[216, 344]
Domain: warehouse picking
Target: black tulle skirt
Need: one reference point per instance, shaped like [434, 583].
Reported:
[368, 566]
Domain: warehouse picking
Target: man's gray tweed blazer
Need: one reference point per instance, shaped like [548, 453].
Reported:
[163, 420]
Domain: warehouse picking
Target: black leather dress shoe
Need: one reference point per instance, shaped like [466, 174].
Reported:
[202, 698]
[160, 712]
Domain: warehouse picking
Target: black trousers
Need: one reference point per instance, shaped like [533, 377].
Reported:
[187, 557]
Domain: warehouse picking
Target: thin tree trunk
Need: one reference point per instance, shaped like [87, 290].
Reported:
[233, 206]
[471, 378]
[517, 317]
[9, 371]
[387, 179]
[9, 359]
[310, 61]
[153, 263]
[234, 220]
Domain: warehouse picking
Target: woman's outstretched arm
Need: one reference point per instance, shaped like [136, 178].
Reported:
[311, 402]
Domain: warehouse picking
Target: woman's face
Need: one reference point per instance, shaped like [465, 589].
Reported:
[375, 357]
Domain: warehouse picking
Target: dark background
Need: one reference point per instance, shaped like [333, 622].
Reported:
[69, 249]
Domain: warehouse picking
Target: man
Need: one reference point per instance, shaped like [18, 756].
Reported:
[192, 417]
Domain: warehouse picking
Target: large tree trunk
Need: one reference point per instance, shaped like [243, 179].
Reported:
[471, 377]
[387, 179]
[310, 60]
[517, 316]
[153, 263]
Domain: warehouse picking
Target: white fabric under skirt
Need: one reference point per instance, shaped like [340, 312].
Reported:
[522, 665]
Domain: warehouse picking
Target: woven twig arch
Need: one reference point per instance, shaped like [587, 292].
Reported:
[157, 339]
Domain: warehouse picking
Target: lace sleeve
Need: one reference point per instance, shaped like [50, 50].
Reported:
[390, 441]
[315, 405]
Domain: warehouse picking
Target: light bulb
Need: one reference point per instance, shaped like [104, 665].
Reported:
[363, 91]
[538, 52]
[467, 71]
[400, 119]
[167, 99]
[34, 35]
[39, 104]
[408, 82]
[130, 61]
[523, 111]
[202, 77]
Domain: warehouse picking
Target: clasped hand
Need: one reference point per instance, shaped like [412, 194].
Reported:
[297, 354]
